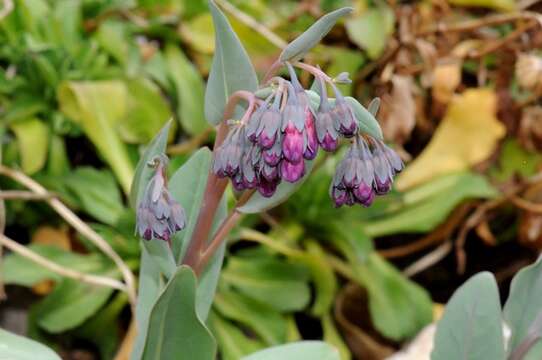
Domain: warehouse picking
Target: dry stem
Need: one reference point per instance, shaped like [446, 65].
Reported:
[54, 267]
[80, 226]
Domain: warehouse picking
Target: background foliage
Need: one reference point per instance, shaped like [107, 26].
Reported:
[85, 85]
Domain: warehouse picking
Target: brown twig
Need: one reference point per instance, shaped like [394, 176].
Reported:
[491, 20]
[252, 23]
[80, 226]
[439, 234]
[63, 271]
[191, 144]
[497, 44]
[24, 195]
[429, 259]
[526, 205]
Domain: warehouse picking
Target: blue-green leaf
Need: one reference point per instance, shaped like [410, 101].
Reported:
[15, 347]
[303, 350]
[524, 306]
[175, 331]
[312, 36]
[231, 69]
[471, 327]
[367, 122]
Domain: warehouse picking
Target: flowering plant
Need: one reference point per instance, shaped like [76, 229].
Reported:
[268, 137]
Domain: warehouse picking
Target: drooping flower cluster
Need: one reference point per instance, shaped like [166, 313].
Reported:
[275, 138]
[367, 170]
[159, 216]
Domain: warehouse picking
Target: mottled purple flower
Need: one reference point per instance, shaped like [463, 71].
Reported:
[292, 172]
[386, 164]
[351, 181]
[269, 126]
[273, 155]
[228, 155]
[159, 216]
[327, 135]
[267, 188]
[343, 116]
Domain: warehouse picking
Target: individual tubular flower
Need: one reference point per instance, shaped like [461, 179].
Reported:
[270, 120]
[291, 172]
[293, 126]
[386, 164]
[327, 135]
[343, 116]
[228, 155]
[298, 123]
[159, 216]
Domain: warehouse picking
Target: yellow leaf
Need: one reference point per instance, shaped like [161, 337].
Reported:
[504, 5]
[33, 140]
[466, 136]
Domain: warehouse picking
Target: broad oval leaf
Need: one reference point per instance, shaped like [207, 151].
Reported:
[312, 36]
[15, 347]
[303, 350]
[144, 173]
[175, 331]
[524, 306]
[231, 69]
[471, 327]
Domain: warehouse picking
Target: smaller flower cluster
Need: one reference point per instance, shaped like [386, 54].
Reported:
[273, 142]
[367, 170]
[159, 216]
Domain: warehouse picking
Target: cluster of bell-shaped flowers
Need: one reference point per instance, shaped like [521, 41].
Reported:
[159, 216]
[283, 131]
[366, 170]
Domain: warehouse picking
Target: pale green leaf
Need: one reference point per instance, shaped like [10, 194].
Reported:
[304, 350]
[231, 69]
[312, 36]
[174, 328]
[524, 306]
[15, 347]
[471, 327]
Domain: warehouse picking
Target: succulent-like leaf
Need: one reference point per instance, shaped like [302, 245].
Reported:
[303, 350]
[312, 36]
[471, 327]
[231, 69]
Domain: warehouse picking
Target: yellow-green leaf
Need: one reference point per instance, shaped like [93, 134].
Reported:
[98, 107]
[33, 139]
